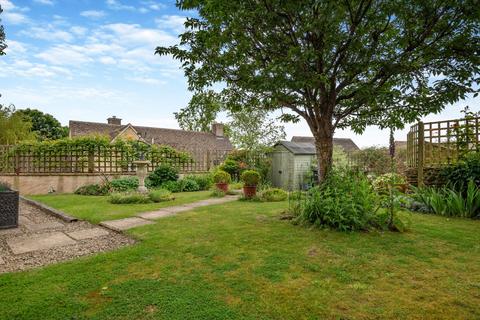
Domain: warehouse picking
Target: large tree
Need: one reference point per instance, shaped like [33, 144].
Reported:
[334, 63]
[3, 45]
[13, 127]
[44, 125]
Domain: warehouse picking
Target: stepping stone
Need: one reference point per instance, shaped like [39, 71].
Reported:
[44, 226]
[88, 233]
[179, 209]
[2, 261]
[125, 224]
[43, 241]
[156, 214]
[12, 231]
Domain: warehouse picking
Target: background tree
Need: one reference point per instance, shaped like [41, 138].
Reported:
[44, 125]
[3, 45]
[200, 113]
[334, 63]
[13, 127]
[254, 130]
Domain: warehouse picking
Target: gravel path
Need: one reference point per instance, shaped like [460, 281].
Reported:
[79, 239]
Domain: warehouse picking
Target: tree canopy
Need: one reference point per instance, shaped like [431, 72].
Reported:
[336, 64]
[44, 125]
[3, 45]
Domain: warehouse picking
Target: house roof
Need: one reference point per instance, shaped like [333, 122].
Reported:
[179, 139]
[347, 144]
[298, 148]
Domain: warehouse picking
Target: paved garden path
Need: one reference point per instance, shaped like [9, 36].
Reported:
[150, 217]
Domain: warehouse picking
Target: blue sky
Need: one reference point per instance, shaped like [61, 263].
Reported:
[90, 59]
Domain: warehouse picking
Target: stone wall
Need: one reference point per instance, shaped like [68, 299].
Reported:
[60, 183]
[431, 176]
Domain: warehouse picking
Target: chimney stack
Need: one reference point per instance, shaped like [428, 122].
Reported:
[217, 129]
[114, 120]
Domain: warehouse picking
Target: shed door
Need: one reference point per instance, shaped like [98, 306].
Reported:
[280, 174]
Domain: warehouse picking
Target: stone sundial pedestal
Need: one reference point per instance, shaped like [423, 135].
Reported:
[142, 171]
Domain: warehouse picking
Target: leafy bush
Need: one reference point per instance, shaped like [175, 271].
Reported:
[273, 194]
[449, 202]
[468, 169]
[173, 186]
[160, 195]
[216, 193]
[250, 178]
[128, 198]
[236, 185]
[382, 183]
[124, 184]
[189, 185]
[231, 166]
[93, 190]
[204, 181]
[344, 201]
[222, 177]
[161, 174]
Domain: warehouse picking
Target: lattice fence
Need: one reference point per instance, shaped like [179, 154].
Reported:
[100, 159]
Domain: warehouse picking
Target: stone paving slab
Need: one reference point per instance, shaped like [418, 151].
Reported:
[88, 233]
[44, 226]
[39, 242]
[10, 232]
[2, 261]
[156, 214]
[125, 224]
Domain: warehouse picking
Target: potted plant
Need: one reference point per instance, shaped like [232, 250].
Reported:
[8, 207]
[222, 179]
[250, 179]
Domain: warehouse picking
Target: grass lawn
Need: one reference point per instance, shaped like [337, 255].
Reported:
[96, 209]
[239, 261]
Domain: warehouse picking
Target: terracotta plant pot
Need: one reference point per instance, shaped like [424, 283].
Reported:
[222, 186]
[8, 209]
[249, 191]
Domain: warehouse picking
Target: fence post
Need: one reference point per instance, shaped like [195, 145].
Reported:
[420, 155]
[91, 160]
[208, 160]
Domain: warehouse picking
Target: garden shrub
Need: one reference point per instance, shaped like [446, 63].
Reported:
[124, 184]
[162, 174]
[204, 181]
[95, 189]
[173, 186]
[458, 174]
[128, 198]
[160, 195]
[382, 183]
[344, 201]
[250, 178]
[189, 185]
[449, 202]
[221, 176]
[273, 195]
[231, 166]
[216, 193]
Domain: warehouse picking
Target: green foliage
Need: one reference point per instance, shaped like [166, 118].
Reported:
[173, 186]
[200, 112]
[240, 160]
[376, 59]
[216, 193]
[232, 167]
[250, 178]
[124, 184]
[96, 189]
[221, 176]
[449, 202]
[373, 160]
[189, 185]
[382, 183]
[44, 125]
[467, 169]
[13, 127]
[4, 186]
[273, 195]
[204, 181]
[160, 195]
[162, 174]
[3, 45]
[345, 202]
[128, 198]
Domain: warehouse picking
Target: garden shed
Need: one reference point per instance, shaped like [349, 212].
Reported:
[291, 163]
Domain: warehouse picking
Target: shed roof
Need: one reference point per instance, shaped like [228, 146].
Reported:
[347, 144]
[298, 148]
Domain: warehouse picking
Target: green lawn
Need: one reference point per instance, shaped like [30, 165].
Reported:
[96, 209]
[239, 261]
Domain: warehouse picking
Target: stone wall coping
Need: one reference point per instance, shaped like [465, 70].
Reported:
[54, 212]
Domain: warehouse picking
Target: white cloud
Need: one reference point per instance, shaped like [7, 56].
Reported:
[78, 31]
[117, 5]
[48, 33]
[153, 5]
[65, 55]
[93, 14]
[107, 60]
[12, 13]
[27, 69]
[147, 80]
[45, 2]
[134, 34]
[7, 5]
[174, 23]
[15, 47]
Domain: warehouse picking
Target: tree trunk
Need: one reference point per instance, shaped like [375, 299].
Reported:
[324, 146]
